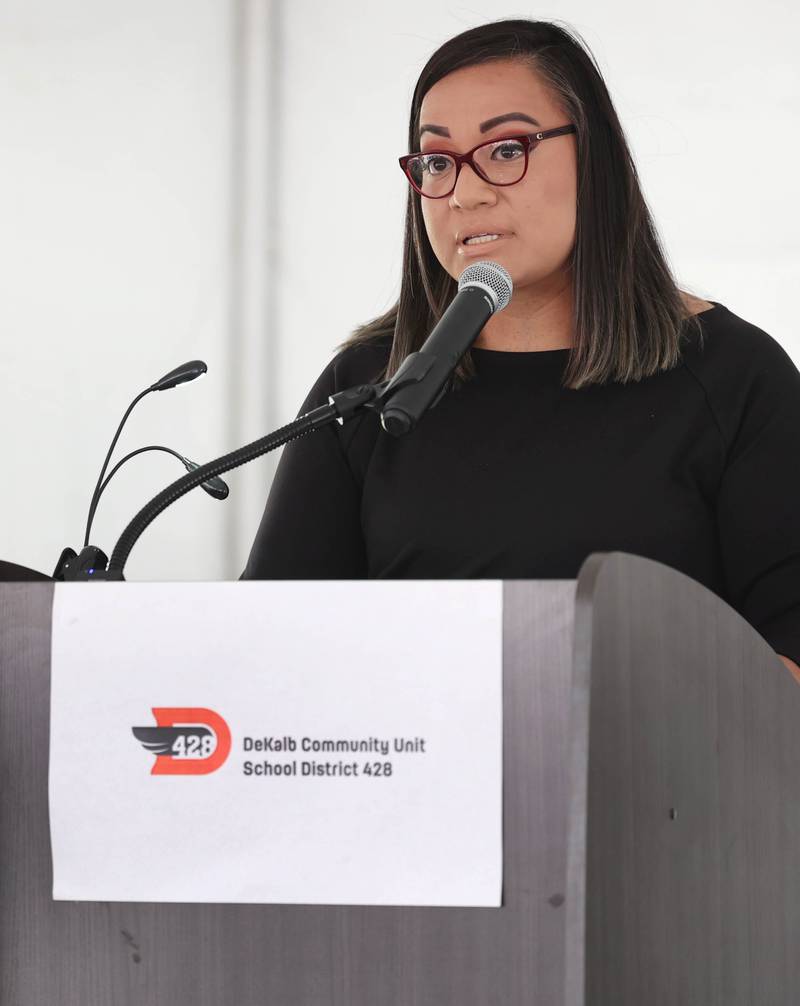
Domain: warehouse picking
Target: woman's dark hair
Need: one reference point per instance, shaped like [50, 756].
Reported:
[628, 313]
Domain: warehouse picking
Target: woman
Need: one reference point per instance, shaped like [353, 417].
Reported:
[603, 409]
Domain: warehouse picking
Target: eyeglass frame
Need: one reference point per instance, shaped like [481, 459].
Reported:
[532, 142]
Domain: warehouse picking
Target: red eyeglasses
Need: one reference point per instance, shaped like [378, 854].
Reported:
[502, 161]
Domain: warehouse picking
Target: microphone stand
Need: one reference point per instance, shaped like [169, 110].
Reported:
[423, 377]
[340, 408]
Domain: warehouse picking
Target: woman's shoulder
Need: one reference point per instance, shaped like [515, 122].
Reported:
[741, 367]
[695, 305]
[726, 343]
[361, 361]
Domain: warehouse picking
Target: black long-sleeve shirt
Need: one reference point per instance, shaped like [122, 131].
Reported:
[512, 475]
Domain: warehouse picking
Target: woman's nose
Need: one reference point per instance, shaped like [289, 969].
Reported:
[470, 189]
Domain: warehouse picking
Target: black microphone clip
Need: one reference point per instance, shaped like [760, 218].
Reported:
[413, 370]
[91, 564]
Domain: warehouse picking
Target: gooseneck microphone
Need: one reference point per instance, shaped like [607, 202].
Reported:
[92, 561]
[185, 372]
[483, 289]
[214, 487]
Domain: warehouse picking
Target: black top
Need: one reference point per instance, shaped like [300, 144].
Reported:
[513, 476]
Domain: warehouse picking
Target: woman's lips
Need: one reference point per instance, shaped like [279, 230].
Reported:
[470, 250]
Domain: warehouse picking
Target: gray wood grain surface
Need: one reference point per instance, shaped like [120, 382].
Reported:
[131, 954]
[690, 834]
[651, 834]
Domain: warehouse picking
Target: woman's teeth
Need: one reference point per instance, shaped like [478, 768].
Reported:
[481, 239]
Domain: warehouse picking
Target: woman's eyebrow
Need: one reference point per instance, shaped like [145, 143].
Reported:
[484, 126]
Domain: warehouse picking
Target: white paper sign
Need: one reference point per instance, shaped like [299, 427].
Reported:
[295, 742]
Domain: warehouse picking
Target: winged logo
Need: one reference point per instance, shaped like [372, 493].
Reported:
[190, 740]
[161, 740]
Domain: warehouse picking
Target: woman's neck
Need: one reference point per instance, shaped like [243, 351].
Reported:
[531, 322]
[536, 321]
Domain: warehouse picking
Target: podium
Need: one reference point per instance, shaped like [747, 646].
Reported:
[651, 833]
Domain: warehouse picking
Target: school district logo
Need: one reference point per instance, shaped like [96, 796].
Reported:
[190, 741]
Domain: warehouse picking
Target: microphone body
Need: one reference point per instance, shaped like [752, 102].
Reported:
[484, 288]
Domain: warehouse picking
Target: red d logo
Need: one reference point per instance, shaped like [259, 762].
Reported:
[187, 741]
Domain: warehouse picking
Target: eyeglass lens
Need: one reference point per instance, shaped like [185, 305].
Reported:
[503, 162]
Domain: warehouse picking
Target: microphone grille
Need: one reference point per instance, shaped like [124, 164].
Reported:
[492, 277]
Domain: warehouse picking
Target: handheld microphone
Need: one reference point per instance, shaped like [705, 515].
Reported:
[484, 288]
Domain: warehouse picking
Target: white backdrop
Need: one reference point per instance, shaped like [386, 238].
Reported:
[164, 196]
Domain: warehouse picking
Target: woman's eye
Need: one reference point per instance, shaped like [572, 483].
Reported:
[435, 165]
[513, 149]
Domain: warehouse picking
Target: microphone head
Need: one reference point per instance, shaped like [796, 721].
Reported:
[214, 486]
[186, 372]
[491, 277]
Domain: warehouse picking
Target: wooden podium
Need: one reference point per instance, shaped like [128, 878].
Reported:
[651, 823]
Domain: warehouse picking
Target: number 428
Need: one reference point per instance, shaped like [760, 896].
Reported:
[192, 746]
